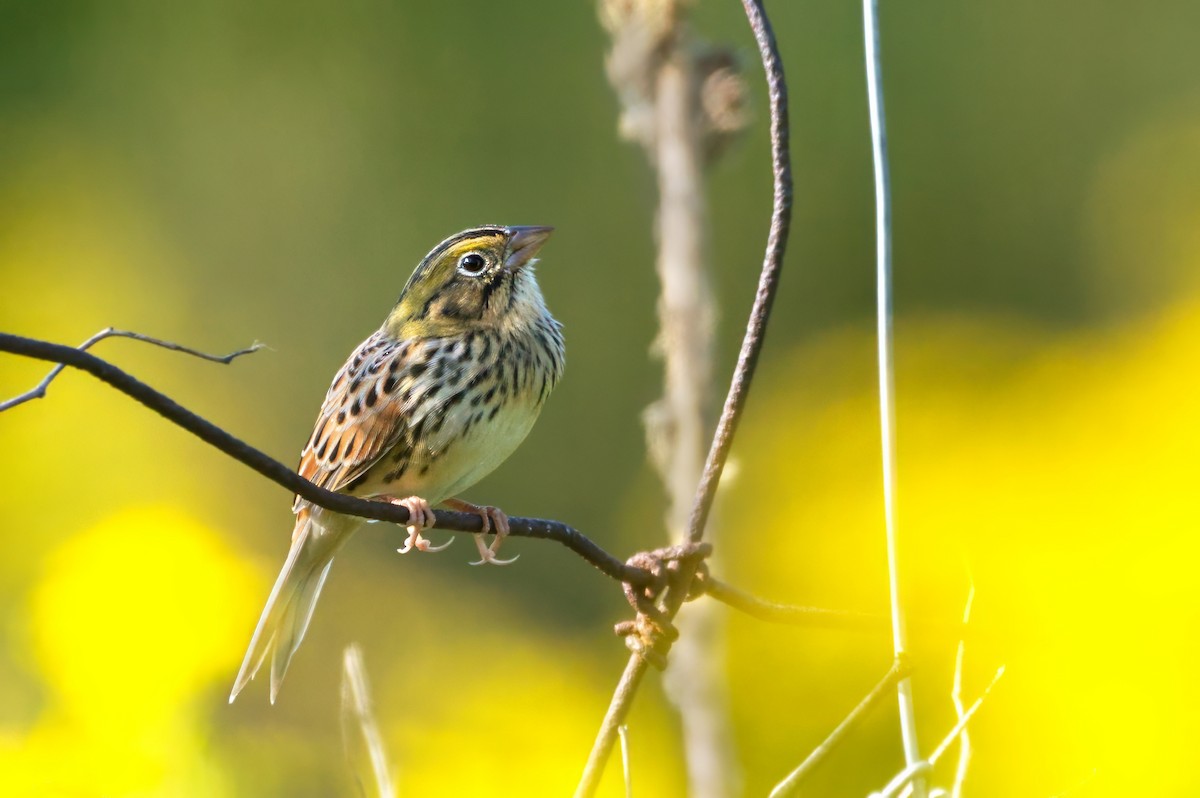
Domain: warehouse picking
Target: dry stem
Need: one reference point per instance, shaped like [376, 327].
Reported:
[654, 70]
[887, 403]
[358, 724]
[792, 782]
[739, 388]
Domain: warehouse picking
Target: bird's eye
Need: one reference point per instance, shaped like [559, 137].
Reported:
[472, 264]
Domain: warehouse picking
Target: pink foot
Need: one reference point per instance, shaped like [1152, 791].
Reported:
[492, 517]
[420, 516]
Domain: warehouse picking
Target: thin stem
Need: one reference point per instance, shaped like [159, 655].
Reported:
[360, 732]
[964, 751]
[795, 615]
[772, 268]
[739, 388]
[676, 430]
[624, 732]
[39, 390]
[614, 718]
[959, 728]
[794, 779]
[887, 402]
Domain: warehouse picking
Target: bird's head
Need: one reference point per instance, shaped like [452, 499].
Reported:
[478, 279]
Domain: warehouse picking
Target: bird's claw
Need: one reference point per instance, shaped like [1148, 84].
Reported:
[420, 516]
[422, 544]
[487, 554]
[491, 517]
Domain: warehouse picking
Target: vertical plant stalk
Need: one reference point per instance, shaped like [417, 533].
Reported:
[654, 69]
[739, 388]
[676, 424]
[887, 402]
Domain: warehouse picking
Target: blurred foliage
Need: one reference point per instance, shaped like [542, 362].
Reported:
[220, 172]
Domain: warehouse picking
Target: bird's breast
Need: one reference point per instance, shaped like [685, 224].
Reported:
[471, 416]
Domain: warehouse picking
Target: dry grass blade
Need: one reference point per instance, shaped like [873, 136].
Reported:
[792, 782]
[887, 381]
[624, 732]
[360, 733]
[900, 785]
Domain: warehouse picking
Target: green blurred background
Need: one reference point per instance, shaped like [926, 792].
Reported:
[221, 172]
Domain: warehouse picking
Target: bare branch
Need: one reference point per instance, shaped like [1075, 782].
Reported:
[743, 374]
[772, 268]
[900, 785]
[964, 751]
[880, 691]
[358, 723]
[910, 772]
[790, 613]
[962, 722]
[282, 475]
[39, 391]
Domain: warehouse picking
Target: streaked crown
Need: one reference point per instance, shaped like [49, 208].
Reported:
[476, 279]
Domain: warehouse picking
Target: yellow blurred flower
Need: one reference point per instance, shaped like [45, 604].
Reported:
[1061, 472]
[133, 621]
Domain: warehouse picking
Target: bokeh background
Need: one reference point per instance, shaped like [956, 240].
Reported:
[222, 172]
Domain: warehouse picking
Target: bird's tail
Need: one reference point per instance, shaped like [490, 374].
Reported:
[317, 537]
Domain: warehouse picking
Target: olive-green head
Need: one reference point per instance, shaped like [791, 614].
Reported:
[479, 278]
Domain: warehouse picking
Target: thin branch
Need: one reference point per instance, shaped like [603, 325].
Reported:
[901, 780]
[964, 751]
[796, 778]
[900, 785]
[768, 282]
[743, 374]
[887, 402]
[880, 691]
[792, 614]
[358, 722]
[39, 391]
[961, 726]
[282, 475]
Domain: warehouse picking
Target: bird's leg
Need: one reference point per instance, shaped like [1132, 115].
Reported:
[492, 516]
[420, 516]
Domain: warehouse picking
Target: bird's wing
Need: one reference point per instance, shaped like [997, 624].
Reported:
[367, 411]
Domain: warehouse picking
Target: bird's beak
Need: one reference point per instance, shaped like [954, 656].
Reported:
[523, 244]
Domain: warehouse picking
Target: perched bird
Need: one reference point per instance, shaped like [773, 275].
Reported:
[425, 407]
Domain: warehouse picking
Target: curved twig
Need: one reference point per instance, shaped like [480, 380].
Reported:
[281, 475]
[39, 390]
[774, 612]
[739, 388]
